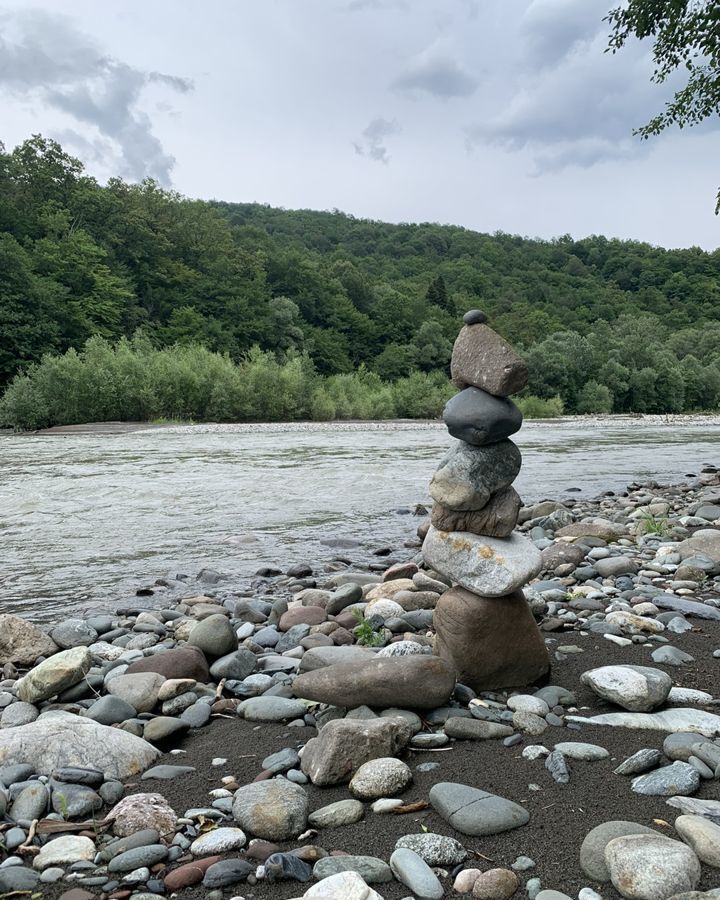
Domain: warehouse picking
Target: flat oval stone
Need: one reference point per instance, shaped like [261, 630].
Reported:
[64, 850]
[219, 840]
[380, 778]
[334, 815]
[415, 681]
[486, 566]
[677, 779]
[271, 709]
[476, 812]
[224, 872]
[138, 857]
[411, 870]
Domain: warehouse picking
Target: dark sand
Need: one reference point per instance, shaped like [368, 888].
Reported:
[561, 816]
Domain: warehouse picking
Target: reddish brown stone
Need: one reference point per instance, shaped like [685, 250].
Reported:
[310, 853]
[342, 637]
[493, 642]
[302, 615]
[260, 850]
[189, 874]
[400, 570]
[180, 662]
[345, 620]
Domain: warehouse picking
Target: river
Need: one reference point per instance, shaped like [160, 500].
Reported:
[87, 519]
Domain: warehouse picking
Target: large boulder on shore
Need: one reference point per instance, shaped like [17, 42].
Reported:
[415, 682]
[636, 688]
[59, 739]
[344, 745]
[467, 476]
[55, 674]
[492, 642]
[21, 642]
[487, 566]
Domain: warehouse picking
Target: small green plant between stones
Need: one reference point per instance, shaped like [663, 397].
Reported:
[63, 804]
[365, 633]
[650, 524]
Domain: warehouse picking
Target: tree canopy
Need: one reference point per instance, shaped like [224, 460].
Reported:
[81, 261]
[686, 39]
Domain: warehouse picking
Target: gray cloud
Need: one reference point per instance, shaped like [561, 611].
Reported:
[550, 29]
[91, 151]
[44, 56]
[435, 72]
[572, 104]
[373, 143]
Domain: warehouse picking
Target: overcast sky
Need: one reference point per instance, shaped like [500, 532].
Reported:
[492, 114]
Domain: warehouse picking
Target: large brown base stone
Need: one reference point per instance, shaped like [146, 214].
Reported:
[493, 642]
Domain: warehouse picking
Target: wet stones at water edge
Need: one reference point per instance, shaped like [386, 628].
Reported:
[484, 627]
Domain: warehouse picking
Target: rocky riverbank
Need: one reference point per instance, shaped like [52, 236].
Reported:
[590, 421]
[271, 742]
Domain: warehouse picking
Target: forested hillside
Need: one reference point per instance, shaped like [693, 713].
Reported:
[605, 324]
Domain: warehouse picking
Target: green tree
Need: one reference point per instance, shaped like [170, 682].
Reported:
[33, 312]
[395, 361]
[642, 390]
[285, 331]
[616, 378]
[433, 349]
[686, 39]
[437, 294]
[594, 398]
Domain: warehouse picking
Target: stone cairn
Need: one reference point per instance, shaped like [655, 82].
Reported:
[483, 624]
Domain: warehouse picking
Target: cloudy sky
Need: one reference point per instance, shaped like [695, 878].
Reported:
[492, 114]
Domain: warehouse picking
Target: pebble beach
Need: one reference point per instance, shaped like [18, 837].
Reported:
[170, 752]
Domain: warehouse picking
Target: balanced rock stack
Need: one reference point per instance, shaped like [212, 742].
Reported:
[483, 624]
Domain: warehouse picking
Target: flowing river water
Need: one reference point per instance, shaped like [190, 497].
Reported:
[86, 519]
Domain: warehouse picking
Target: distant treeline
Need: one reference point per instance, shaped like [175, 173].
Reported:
[605, 325]
[134, 381]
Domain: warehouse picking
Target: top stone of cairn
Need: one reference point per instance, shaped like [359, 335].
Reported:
[482, 359]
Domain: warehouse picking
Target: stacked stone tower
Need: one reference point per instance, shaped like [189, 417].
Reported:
[483, 624]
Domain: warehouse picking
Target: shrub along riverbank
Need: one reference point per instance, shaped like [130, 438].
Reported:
[133, 381]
